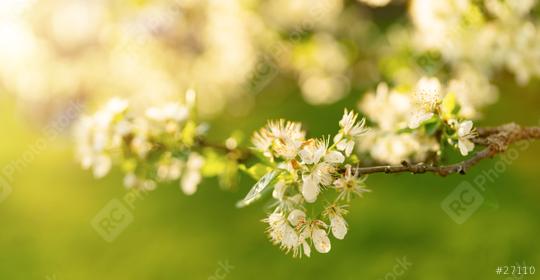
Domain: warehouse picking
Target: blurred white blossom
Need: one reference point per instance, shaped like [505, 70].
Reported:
[375, 3]
[151, 147]
[427, 97]
[489, 34]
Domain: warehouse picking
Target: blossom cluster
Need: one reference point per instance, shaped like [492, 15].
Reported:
[156, 146]
[490, 34]
[302, 169]
[411, 123]
[436, 108]
[144, 40]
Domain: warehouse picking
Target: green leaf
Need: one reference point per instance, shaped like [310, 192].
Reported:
[256, 171]
[256, 191]
[214, 164]
[432, 127]
[449, 103]
[405, 130]
[188, 133]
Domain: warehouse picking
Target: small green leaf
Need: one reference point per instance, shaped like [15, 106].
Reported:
[405, 130]
[256, 171]
[432, 127]
[213, 165]
[449, 103]
[256, 191]
[188, 133]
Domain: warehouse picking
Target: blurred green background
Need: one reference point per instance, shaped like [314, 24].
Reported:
[46, 230]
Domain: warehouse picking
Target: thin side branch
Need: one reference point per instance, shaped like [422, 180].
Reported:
[496, 139]
[237, 153]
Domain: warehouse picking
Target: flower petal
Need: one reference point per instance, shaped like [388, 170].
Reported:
[310, 188]
[334, 157]
[307, 248]
[465, 146]
[290, 237]
[306, 156]
[190, 181]
[342, 144]
[279, 190]
[339, 226]
[465, 128]
[102, 165]
[321, 241]
[338, 137]
[418, 118]
[296, 216]
[349, 148]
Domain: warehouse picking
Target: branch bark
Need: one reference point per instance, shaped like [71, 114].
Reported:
[495, 139]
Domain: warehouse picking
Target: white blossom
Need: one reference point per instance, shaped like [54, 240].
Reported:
[114, 133]
[375, 3]
[116, 106]
[349, 132]
[148, 185]
[97, 137]
[279, 190]
[338, 225]
[465, 134]
[281, 232]
[170, 169]
[130, 180]
[419, 117]
[394, 148]
[321, 161]
[168, 112]
[101, 165]
[349, 185]
[389, 108]
[427, 97]
[473, 91]
[279, 139]
[296, 217]
[313, 152]
[428, 93]
[498, 35]
[192, 176]
[349, 126]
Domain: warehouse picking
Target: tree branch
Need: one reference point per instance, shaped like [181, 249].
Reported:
[496, 139]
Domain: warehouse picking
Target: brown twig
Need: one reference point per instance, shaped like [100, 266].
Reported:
[237, 153]
[496, 139]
